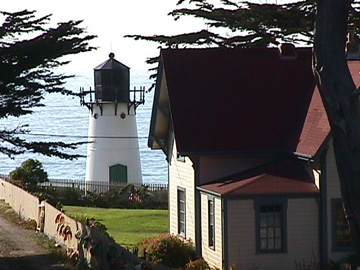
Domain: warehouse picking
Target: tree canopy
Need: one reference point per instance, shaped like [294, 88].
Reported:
[246, 24]
[30, 50]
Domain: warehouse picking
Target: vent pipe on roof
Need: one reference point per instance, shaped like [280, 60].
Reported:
[287, 51]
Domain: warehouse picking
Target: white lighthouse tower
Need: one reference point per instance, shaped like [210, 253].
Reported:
[113, 152]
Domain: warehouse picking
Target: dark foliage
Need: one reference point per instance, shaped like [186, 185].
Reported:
[234, 24]
[29, 52]
[29, 174]
[114, 198]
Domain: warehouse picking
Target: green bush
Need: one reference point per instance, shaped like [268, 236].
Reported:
[168, 250]
[29, 174]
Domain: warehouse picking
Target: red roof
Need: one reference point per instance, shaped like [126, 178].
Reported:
[283, 177]
[245, 100]
[316, 127]
[238, 100]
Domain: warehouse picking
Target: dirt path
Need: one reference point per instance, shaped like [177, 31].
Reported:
[20, 249]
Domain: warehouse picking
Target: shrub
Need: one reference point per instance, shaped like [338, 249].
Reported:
[199, 264]
[29, 174]
[168, 250]
[30, 224]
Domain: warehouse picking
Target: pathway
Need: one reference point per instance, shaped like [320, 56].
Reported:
[19, 249]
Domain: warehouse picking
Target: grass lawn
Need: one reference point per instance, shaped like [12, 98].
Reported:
[127, 226]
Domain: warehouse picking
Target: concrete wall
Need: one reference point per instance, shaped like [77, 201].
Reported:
[28, 207]
[52, 227]
[23, 203]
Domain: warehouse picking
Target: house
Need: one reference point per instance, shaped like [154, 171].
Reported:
[252, 175]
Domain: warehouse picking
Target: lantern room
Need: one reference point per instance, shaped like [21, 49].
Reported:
[112, 81]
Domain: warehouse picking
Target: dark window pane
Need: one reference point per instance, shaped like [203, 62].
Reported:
[271, 244]
[263, 233]
[264, 244]
[181, 212]
[263, 220]
[278, 244]
[277, 232]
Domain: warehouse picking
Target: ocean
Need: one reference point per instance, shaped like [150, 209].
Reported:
[64, 119]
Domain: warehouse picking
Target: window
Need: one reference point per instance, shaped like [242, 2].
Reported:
[181, 211]
[211, 222]
[341, 238]
[270, 226]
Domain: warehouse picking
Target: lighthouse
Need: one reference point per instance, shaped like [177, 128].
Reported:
[113, 155]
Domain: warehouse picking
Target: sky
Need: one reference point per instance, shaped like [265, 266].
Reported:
[110, 20]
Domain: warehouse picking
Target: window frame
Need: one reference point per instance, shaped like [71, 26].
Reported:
[179, 212]
[211, 222]
[271, 202]
[335, 203]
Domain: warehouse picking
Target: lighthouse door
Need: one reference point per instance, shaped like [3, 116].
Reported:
[118, 174]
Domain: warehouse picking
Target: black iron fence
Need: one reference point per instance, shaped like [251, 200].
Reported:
[100, 186]
[156, 193]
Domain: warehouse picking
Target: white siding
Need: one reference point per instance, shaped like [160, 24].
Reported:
[212, 255]
[241, 234]
[212, 168]
[302, 236]
[181, 174]
[333, 192]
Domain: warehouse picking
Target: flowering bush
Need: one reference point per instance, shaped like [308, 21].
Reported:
[168, 250]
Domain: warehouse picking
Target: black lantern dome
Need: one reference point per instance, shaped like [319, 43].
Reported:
[112, 81]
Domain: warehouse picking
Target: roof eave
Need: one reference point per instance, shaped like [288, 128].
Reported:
[209, 192]
[279, 153]
[324, 146]
[155, 104]
[312, 158]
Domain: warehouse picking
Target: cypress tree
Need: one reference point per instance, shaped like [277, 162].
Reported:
[30, 50]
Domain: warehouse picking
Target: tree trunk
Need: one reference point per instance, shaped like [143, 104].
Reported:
[341, 102]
